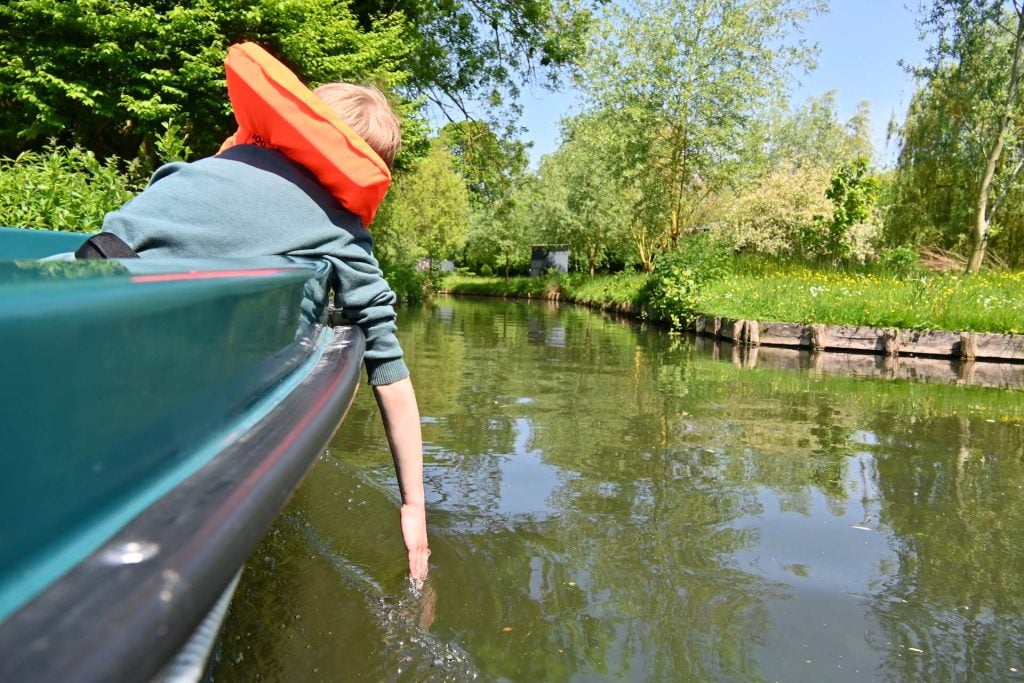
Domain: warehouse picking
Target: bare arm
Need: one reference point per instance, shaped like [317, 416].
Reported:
[401, 415]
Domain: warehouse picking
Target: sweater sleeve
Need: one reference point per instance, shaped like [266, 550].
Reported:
[365, 298]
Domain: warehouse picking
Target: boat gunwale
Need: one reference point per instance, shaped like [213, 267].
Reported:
[119, 615]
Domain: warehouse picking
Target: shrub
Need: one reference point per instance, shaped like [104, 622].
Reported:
[674, 288]
[901, 261]
[776, 214]
[63, 189]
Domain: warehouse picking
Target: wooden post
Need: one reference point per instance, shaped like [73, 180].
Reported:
[968, 346]
[892, 342]
[819, 337]
[698, 325]
[753, 333]
[737, 331]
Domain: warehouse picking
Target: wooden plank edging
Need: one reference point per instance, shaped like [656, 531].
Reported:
[886, 341]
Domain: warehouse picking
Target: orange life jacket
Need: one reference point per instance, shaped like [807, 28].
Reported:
[274, 109]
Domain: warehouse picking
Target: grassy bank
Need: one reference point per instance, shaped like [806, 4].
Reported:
[989, 302]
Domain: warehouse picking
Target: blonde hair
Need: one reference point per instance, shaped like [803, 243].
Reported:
[367, 112]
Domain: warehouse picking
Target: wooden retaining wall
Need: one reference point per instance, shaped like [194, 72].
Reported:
[1000, 375]
[1003, 348]
[991, 360]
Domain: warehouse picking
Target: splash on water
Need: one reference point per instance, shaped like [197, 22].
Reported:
[404, 620]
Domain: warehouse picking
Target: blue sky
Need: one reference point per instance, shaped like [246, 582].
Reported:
[860, 44]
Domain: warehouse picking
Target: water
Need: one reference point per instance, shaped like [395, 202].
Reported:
[608, 502]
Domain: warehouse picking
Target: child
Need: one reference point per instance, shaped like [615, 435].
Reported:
[258, 200]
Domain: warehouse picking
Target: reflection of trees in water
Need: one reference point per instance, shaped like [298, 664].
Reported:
[951, 487]
[659, 453]
[628, 569]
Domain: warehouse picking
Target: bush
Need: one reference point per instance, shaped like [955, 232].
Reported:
[63, 189]
[901, 261]
[675, 286]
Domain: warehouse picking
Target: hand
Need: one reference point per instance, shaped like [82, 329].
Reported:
[414, 533]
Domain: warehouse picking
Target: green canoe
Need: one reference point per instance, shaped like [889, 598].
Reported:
[154, 419]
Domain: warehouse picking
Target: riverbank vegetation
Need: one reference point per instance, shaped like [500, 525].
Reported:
[776, 291]
[686, 179]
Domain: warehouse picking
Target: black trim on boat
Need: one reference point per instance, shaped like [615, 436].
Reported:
[127, 609]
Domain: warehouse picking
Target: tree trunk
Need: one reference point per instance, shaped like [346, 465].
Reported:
[982, 217]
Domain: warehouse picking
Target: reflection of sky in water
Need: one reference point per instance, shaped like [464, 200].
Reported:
[526, 482]
[446, 314]
[507, 484]
[829, 561]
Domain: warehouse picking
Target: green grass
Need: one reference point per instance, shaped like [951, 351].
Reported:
[768, 291]
[989, 302]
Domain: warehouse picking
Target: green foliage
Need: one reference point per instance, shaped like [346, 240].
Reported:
[682, 131]
[63, 189]
[900, 261]
[813, 135]
[432, 203]
[409, 282]
[422, 221]
[488, 163]
[469, 55]
[581, 200]
[962, 142]
[776, 213]
[853, 192]
[680, 277]
[112, 76]
[501, 234]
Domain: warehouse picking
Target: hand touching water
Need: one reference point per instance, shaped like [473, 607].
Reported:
[414, 533]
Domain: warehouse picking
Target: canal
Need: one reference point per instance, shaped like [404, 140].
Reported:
[610, 502]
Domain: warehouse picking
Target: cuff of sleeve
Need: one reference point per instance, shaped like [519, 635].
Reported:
[387, 372]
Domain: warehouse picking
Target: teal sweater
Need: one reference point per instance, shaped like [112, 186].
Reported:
[251, 202]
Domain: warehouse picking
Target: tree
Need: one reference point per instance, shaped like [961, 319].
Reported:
[489, 163]
[477, 54]
[777, 212]
[934, 182]
[112, 75]
[502, 237]
[813, 135]
[687, 83]
[581, 201]
[976, 63]
[431, 204]
[853, 191]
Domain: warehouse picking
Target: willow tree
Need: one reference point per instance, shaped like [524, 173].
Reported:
[689, 82]
[974, 70]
